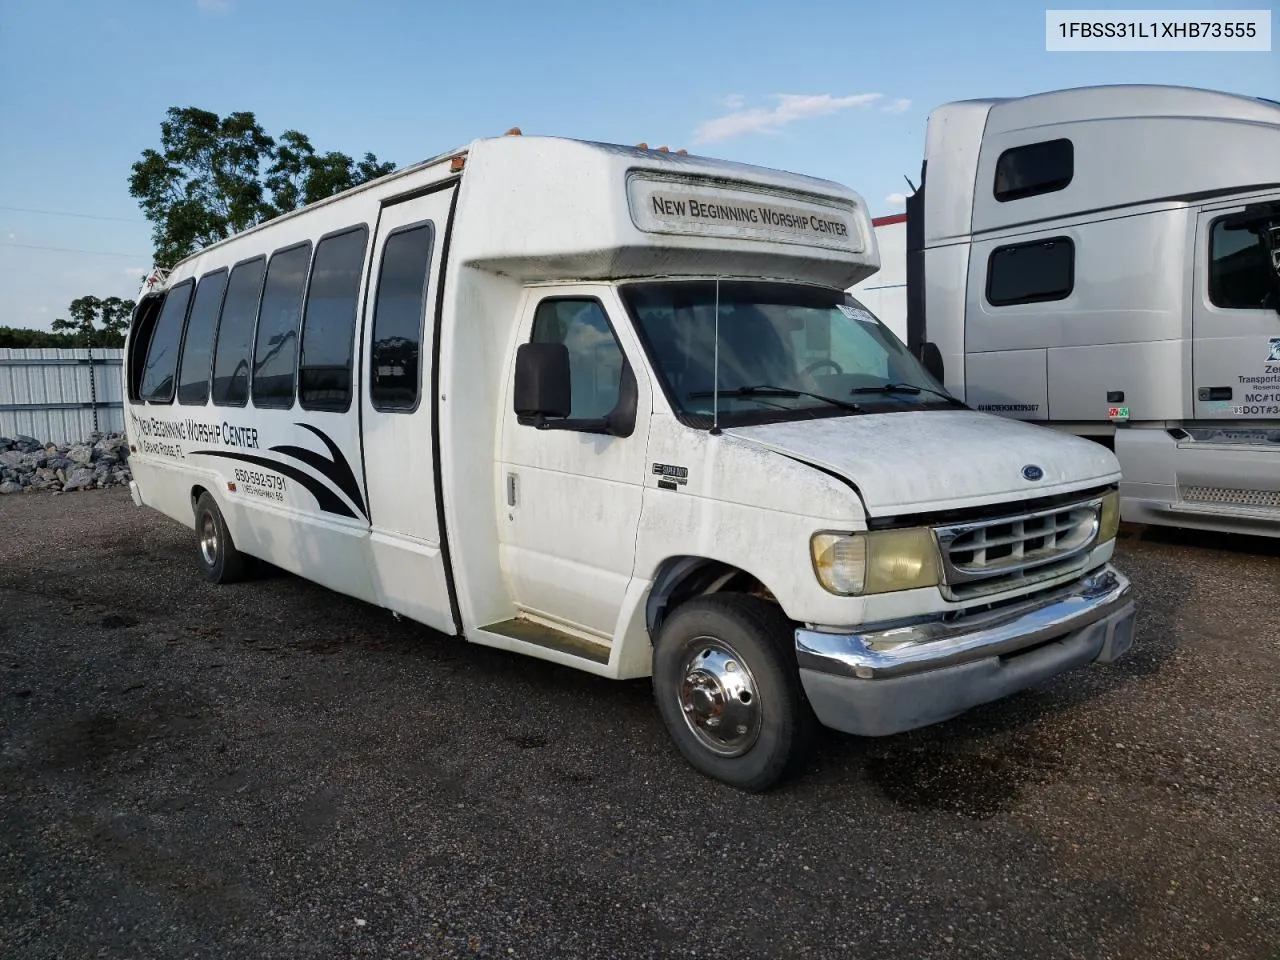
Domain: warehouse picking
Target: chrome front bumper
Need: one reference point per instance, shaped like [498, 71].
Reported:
[900, 677]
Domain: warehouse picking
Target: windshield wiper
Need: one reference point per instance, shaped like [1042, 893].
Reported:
[768, 390]
[906, 388]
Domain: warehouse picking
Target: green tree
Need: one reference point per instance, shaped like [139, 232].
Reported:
[96, 323]
[24, 338]
[215, 176]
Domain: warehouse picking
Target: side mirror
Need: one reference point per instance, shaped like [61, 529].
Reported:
[622, 418]
[543, 388]
[544, 393]
[931, 359]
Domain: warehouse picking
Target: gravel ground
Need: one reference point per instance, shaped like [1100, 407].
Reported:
[272, 770]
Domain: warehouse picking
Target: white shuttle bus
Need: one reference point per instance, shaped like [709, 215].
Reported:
[1106, 261]
[612, 407]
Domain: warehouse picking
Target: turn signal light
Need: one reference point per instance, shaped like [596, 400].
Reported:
[1109, 521]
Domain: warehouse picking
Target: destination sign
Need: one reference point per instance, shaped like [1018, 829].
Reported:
[664, 206]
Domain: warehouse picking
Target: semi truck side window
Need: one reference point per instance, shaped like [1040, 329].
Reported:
[276, 344]
[1034, 169]
[197, 346]
[162, 354]
[595, 359]
[235, 335]
[399, 311]
[1034, 272]
[1239, 274]
[329, 324]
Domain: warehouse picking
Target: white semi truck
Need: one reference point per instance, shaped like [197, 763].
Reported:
[1106, 260]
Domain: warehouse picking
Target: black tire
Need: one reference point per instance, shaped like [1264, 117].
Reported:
[216, 552]
[734, 628]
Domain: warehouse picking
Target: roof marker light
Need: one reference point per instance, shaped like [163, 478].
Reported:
[642, 146]
[457, 163]
[514, 132]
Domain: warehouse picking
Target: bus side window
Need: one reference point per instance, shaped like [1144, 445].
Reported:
[162, 354]
[329, 322]
[142, 328]
[197, 345]
[395, 359]
[275, 347]
[235, 334]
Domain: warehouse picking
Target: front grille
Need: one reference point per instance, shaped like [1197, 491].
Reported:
[1004, 553]
[1225, 495]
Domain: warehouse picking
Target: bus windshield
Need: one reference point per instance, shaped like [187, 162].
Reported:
[786, 351]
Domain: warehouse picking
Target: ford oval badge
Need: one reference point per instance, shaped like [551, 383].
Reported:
[1032, 472]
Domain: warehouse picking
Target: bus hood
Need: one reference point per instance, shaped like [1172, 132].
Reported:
[928, 460]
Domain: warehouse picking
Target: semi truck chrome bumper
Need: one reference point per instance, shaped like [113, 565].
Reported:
[900, 677]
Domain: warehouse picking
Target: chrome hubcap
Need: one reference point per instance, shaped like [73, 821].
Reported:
[719, 700]
[209, 539]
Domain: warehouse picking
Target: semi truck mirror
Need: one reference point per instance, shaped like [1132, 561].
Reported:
[543, 387]
[931, 359]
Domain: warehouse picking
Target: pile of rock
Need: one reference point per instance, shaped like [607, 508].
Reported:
[27, 465]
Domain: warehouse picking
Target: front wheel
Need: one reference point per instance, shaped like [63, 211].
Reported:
[726, 682]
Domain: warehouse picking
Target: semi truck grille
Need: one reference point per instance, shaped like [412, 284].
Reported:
[1240, 498]
[1004, 553]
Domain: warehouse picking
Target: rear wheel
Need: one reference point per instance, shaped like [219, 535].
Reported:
[728, 689]
[220, 561]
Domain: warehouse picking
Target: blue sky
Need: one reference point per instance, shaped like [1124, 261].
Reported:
[84, 87]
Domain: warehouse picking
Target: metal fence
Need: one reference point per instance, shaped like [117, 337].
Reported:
[60, 395]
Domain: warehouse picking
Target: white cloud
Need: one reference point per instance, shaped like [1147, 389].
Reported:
[896, 200]
[734, 101]
[897, 106]
[214, 6]
[134, 271]
[789, 109]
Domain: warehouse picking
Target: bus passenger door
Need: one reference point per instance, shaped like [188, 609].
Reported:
[398, 407]
[571, 506]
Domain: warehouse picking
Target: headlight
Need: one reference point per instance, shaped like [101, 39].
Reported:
[882, 561]
[1109, 521]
